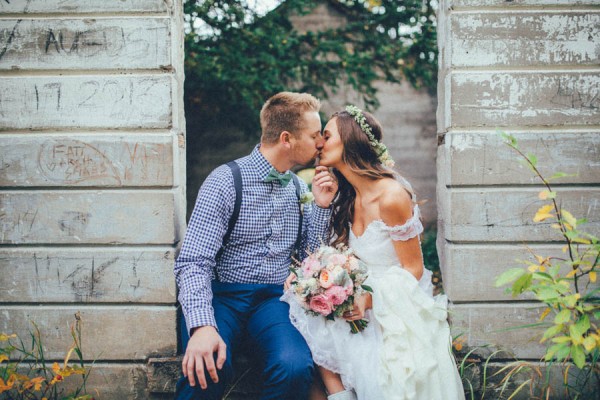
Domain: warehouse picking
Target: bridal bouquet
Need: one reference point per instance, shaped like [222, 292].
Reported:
[327, 282]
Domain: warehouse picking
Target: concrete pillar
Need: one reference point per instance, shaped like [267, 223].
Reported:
[529, 68]
[92, 168]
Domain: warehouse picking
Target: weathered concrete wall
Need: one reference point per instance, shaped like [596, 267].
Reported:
[530, 68]
[92, 169]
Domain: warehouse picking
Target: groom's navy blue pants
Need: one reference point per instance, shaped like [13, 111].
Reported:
[253, 313]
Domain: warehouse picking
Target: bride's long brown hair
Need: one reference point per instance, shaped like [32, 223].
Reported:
[360, 156]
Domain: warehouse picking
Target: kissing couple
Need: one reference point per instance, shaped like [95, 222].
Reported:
[233, 269]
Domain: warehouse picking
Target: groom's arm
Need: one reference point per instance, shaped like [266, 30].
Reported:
[194, 271]
[204, 236]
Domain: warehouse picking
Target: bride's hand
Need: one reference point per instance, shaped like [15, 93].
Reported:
[288, 282]
[361, 305]
[324, 186]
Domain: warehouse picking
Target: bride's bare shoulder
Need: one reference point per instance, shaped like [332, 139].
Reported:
[395, 203]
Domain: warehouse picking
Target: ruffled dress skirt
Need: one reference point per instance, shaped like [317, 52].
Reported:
[405, 351]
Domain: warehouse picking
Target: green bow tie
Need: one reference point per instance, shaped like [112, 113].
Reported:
[283, 179]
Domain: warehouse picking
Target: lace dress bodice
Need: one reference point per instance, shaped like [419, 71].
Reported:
[375, 247]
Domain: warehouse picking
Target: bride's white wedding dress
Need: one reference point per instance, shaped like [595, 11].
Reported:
[405, 351]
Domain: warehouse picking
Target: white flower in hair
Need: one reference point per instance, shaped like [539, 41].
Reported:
[382, 152]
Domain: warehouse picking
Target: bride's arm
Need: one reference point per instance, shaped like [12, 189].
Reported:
[396, 208]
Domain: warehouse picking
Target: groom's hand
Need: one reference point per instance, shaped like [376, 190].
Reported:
[324, 186]
[204, 342]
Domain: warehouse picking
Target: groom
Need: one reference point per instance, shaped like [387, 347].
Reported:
[230, 290]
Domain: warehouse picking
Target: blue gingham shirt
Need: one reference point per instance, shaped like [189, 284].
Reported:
[260, 246]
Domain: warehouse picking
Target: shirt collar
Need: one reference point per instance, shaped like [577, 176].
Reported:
[262, 165]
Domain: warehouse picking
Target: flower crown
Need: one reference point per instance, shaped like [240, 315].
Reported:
[380, 149]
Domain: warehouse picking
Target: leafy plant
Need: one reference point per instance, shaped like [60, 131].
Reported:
[25, 374]
[236, 58]
[565, 284]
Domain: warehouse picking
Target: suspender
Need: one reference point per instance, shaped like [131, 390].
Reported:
[237, 182]
[298, 195]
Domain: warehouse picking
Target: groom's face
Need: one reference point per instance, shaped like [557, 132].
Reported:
[308, 142]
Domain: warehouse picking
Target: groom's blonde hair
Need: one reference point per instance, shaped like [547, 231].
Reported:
[284, 112]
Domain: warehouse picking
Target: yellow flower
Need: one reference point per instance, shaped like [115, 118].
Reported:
[35, 383]
[9, 383]
[4, 337]
[61, 373]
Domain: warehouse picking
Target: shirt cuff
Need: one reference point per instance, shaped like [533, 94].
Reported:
[322, 213]
[200, 318]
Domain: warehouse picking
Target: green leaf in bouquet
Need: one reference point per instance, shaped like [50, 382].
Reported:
[367, 288]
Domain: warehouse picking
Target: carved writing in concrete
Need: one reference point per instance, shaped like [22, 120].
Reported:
[85, 44]
[497, 99]
[100, 217]
[506, 215]
[83, 6]
[86, 275]
[87, 161]
[482, 158]
[575, 94]
[88, 101]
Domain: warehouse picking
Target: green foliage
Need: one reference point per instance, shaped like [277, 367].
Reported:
[428, 246]
[567, 285]
[236, 59]
[25, 374]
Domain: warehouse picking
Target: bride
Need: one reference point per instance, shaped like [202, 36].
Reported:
[405, 351]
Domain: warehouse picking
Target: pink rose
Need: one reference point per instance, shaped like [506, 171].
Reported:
[310, 265]
[321, 304]
[326, 279]
[337, 259]
[336, 294]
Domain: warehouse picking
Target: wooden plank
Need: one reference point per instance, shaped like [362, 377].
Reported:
[524, 39]
[506, 215]
[86, 160]
[492, 327]
[83, 6]
[35, 275]
[469, 271]
[111, 43]
[504, 99]
[124, 332]
[100, 217]
[483, 159]
[86, 101]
